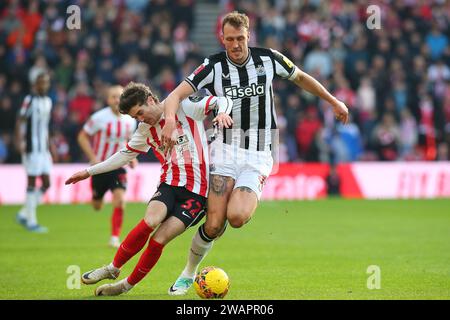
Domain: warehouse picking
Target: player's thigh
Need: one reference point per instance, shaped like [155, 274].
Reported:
[160, 204]
[189, 207]
[220, 189]
[99, 186]
[31, 182]
[45, 181]
[250, 182]
[117, 183]
[156, 213]
[168, 230]
[241, 207]
[33, 164]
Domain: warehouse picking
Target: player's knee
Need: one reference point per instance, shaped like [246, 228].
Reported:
[97, 205]
[118, 200]
[213, 229]
[151, 221]
[161, 239]
[119, 203]
[236, 221]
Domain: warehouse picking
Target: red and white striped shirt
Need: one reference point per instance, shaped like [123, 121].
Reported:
[110, 131]
[188, 163]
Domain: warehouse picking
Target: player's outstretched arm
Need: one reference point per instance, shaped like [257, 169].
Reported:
[116, 161]
[171, 105]
[308, 83]
[76, 177]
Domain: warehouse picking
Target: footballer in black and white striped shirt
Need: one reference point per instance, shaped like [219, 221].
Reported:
[33, 139]
[241, 158]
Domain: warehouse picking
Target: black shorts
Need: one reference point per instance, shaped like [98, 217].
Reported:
[187, 206]
[112, 180]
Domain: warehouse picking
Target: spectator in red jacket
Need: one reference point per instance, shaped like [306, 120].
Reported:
[306, 130]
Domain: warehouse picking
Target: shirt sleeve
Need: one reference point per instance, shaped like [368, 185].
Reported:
[283, 66]
[116, 161]
[138, 143]
[24, 109]
[199, 107]
[202, 76]
[92, 125]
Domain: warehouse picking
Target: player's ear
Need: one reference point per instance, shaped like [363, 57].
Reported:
[222, 39]
[150, 100]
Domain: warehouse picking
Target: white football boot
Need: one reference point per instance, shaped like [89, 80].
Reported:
[113, 289]
[181, 286]
[96, 275]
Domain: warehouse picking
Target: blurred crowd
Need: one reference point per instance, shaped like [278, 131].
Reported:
[395, 80]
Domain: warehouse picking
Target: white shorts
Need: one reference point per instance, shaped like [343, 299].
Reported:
[248, 168]
[37, 164]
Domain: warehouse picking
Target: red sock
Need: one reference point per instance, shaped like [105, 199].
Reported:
[116, 221]
[132, 244]
[148, 259]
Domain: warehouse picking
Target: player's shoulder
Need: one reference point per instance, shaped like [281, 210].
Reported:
[192, 99]
[261, 51]
[143, 128]
[101, 113]
[217, 57]
[28, 98]
[127, 117]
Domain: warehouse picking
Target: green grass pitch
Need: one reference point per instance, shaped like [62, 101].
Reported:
[289, 250]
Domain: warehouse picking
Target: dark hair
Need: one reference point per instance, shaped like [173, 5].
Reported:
[135, 94]
[41, 74]
[236, 20]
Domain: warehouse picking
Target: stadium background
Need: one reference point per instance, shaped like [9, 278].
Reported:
[395, 81]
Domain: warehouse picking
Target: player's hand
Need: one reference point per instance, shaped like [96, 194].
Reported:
[80, 175]
[167, 134]
[133, 163]
[340, 111]
[223, 120]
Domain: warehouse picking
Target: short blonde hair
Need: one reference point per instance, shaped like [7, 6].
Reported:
[236, 20]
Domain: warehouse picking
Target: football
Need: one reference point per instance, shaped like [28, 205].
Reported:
[212, 283]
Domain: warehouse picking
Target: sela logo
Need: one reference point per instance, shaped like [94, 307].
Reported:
[235, 92]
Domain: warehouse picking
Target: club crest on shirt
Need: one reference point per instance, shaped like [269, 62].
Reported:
[260, 71]
[195, 98]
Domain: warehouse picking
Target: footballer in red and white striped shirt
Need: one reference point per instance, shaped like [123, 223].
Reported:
[187, 165]
[179, 202]
[110, 131]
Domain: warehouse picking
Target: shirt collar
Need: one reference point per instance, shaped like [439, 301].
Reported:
[244, 63]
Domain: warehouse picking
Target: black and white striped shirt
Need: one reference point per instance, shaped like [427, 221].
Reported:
[37, 112]
[250, 87]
